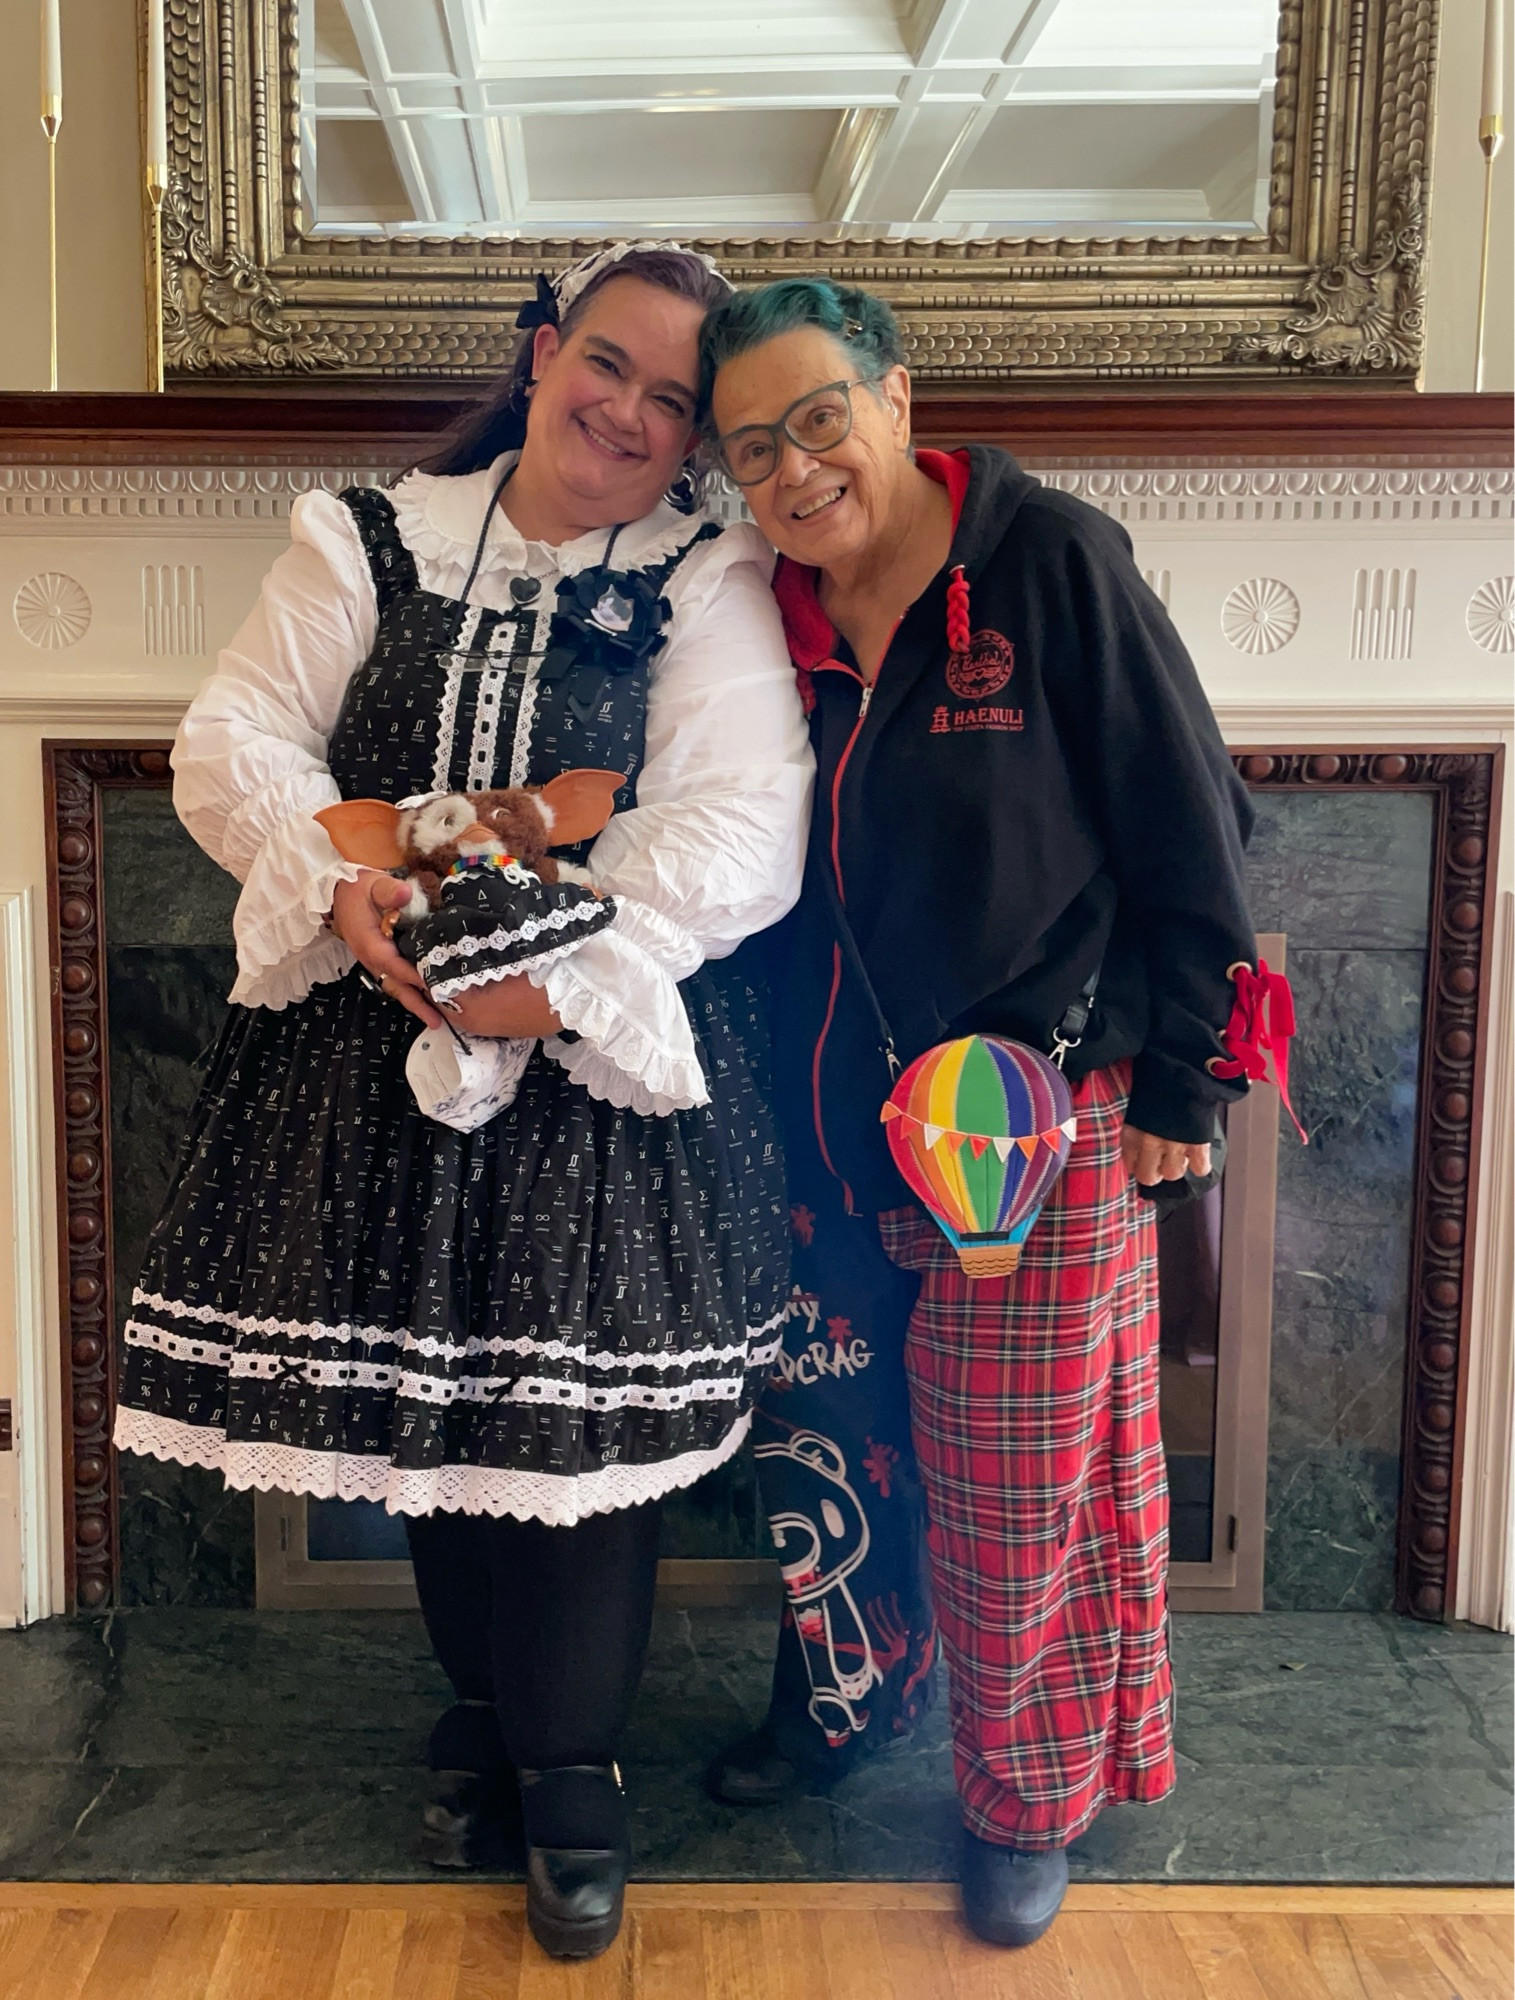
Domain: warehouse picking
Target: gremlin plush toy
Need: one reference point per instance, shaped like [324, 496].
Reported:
[488, 899]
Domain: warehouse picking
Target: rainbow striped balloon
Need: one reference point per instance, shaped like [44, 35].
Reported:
[981, 1128]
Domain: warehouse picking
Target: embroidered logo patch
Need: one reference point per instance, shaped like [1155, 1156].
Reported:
[983, 669]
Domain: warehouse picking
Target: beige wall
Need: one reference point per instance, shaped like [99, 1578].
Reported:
[101, 337]
[101, 282]
[1456, 219]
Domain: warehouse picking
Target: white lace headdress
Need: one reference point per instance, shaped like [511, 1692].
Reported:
[567, 287]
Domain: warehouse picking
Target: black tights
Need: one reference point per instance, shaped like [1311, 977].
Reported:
[548, 1624]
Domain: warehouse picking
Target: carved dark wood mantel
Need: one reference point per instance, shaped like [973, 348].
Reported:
[390, 427]
[1465, 785]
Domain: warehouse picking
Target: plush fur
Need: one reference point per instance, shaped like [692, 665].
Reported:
[422, 842]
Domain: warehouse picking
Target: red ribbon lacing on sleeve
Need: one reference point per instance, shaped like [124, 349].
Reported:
[959, 633]
[1261, 1024]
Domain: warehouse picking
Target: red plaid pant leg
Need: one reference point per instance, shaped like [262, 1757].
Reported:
[1034, 1406]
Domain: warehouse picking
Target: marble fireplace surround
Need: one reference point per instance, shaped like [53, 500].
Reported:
[163, 539]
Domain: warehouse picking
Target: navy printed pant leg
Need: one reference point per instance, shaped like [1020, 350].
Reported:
[839, 1481]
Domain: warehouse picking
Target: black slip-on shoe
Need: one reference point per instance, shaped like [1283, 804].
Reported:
[575, 1898]
[577, 1860]
[1011, 1897]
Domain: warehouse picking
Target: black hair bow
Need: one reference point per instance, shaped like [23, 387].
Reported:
[543, 309]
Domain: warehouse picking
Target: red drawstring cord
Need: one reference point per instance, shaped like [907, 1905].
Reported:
[959, 633]
[1261, 1024]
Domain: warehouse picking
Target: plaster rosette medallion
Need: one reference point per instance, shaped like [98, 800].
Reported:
[51, 610]
[1491, 615]
[1260, 615]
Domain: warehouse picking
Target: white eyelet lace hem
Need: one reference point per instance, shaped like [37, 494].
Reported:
[559, 1501]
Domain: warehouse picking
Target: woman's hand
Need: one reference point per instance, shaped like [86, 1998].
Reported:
[509, 1007]
[358, 910]
[1150, 1160]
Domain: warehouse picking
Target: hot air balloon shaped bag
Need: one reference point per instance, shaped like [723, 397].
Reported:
[979, 1127]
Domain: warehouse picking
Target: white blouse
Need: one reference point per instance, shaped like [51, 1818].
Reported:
[712, 852]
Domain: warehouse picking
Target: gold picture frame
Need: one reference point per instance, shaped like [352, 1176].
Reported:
[1332, 289]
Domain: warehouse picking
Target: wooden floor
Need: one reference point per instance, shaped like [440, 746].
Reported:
[820, 1941]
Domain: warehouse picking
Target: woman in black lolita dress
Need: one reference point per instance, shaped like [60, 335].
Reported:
[519, 1338]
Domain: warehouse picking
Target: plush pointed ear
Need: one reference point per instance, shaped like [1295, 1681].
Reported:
[581, 803]
[366, 831]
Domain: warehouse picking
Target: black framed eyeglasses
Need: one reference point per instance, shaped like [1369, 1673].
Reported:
[818, 421]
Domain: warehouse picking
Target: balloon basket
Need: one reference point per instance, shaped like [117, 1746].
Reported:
[989, 1260]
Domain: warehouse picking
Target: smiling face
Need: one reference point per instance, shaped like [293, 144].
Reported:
[613, 408]
[821, 508]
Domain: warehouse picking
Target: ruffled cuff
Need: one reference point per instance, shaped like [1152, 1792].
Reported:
[636, 1049]
[282, 948]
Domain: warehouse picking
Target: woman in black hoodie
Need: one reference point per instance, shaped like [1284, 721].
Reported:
[1022, 798]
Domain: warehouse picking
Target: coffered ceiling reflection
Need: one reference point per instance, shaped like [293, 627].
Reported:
[945, 119]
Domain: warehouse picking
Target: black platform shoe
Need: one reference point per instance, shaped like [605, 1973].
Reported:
[577, 1857]
[1010, 1897]
[472, 1817]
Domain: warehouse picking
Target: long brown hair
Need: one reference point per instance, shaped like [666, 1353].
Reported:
[498, 424]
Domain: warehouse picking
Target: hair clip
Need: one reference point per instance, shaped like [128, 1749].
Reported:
[852, 328]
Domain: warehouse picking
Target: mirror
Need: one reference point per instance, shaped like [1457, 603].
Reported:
[939, 120]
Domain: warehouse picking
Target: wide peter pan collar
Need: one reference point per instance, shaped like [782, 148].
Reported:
[439, 520]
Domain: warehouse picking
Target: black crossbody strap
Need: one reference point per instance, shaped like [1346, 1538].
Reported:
[1067, 1035]
[854, 958]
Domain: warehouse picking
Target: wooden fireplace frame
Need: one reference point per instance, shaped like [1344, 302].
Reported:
[1465, 783]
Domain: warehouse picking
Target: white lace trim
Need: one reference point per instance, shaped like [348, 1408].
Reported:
[317, 963]
[465, 982]
[502, 939]
[439, 518]
[618, 1060]
[296, 1329]
[431, 1346]
[486, 714]
[602, 1078]
[452, 688]
[560, 1500]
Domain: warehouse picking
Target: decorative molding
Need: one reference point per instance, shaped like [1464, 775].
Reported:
[1315, 423]
[1391, 497]
[1384, 498]
[73, 776]
[1383, 614]
[29, 1300]
[1491, 615]
[1341, 724]
[222, 313]
[1486, 1571]
[1466, 789]
[1260, 615]
[51, 610]
[1331, 286]
[1363, 315]
[173, 610]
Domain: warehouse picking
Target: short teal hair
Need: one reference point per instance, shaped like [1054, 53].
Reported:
[856, 320]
